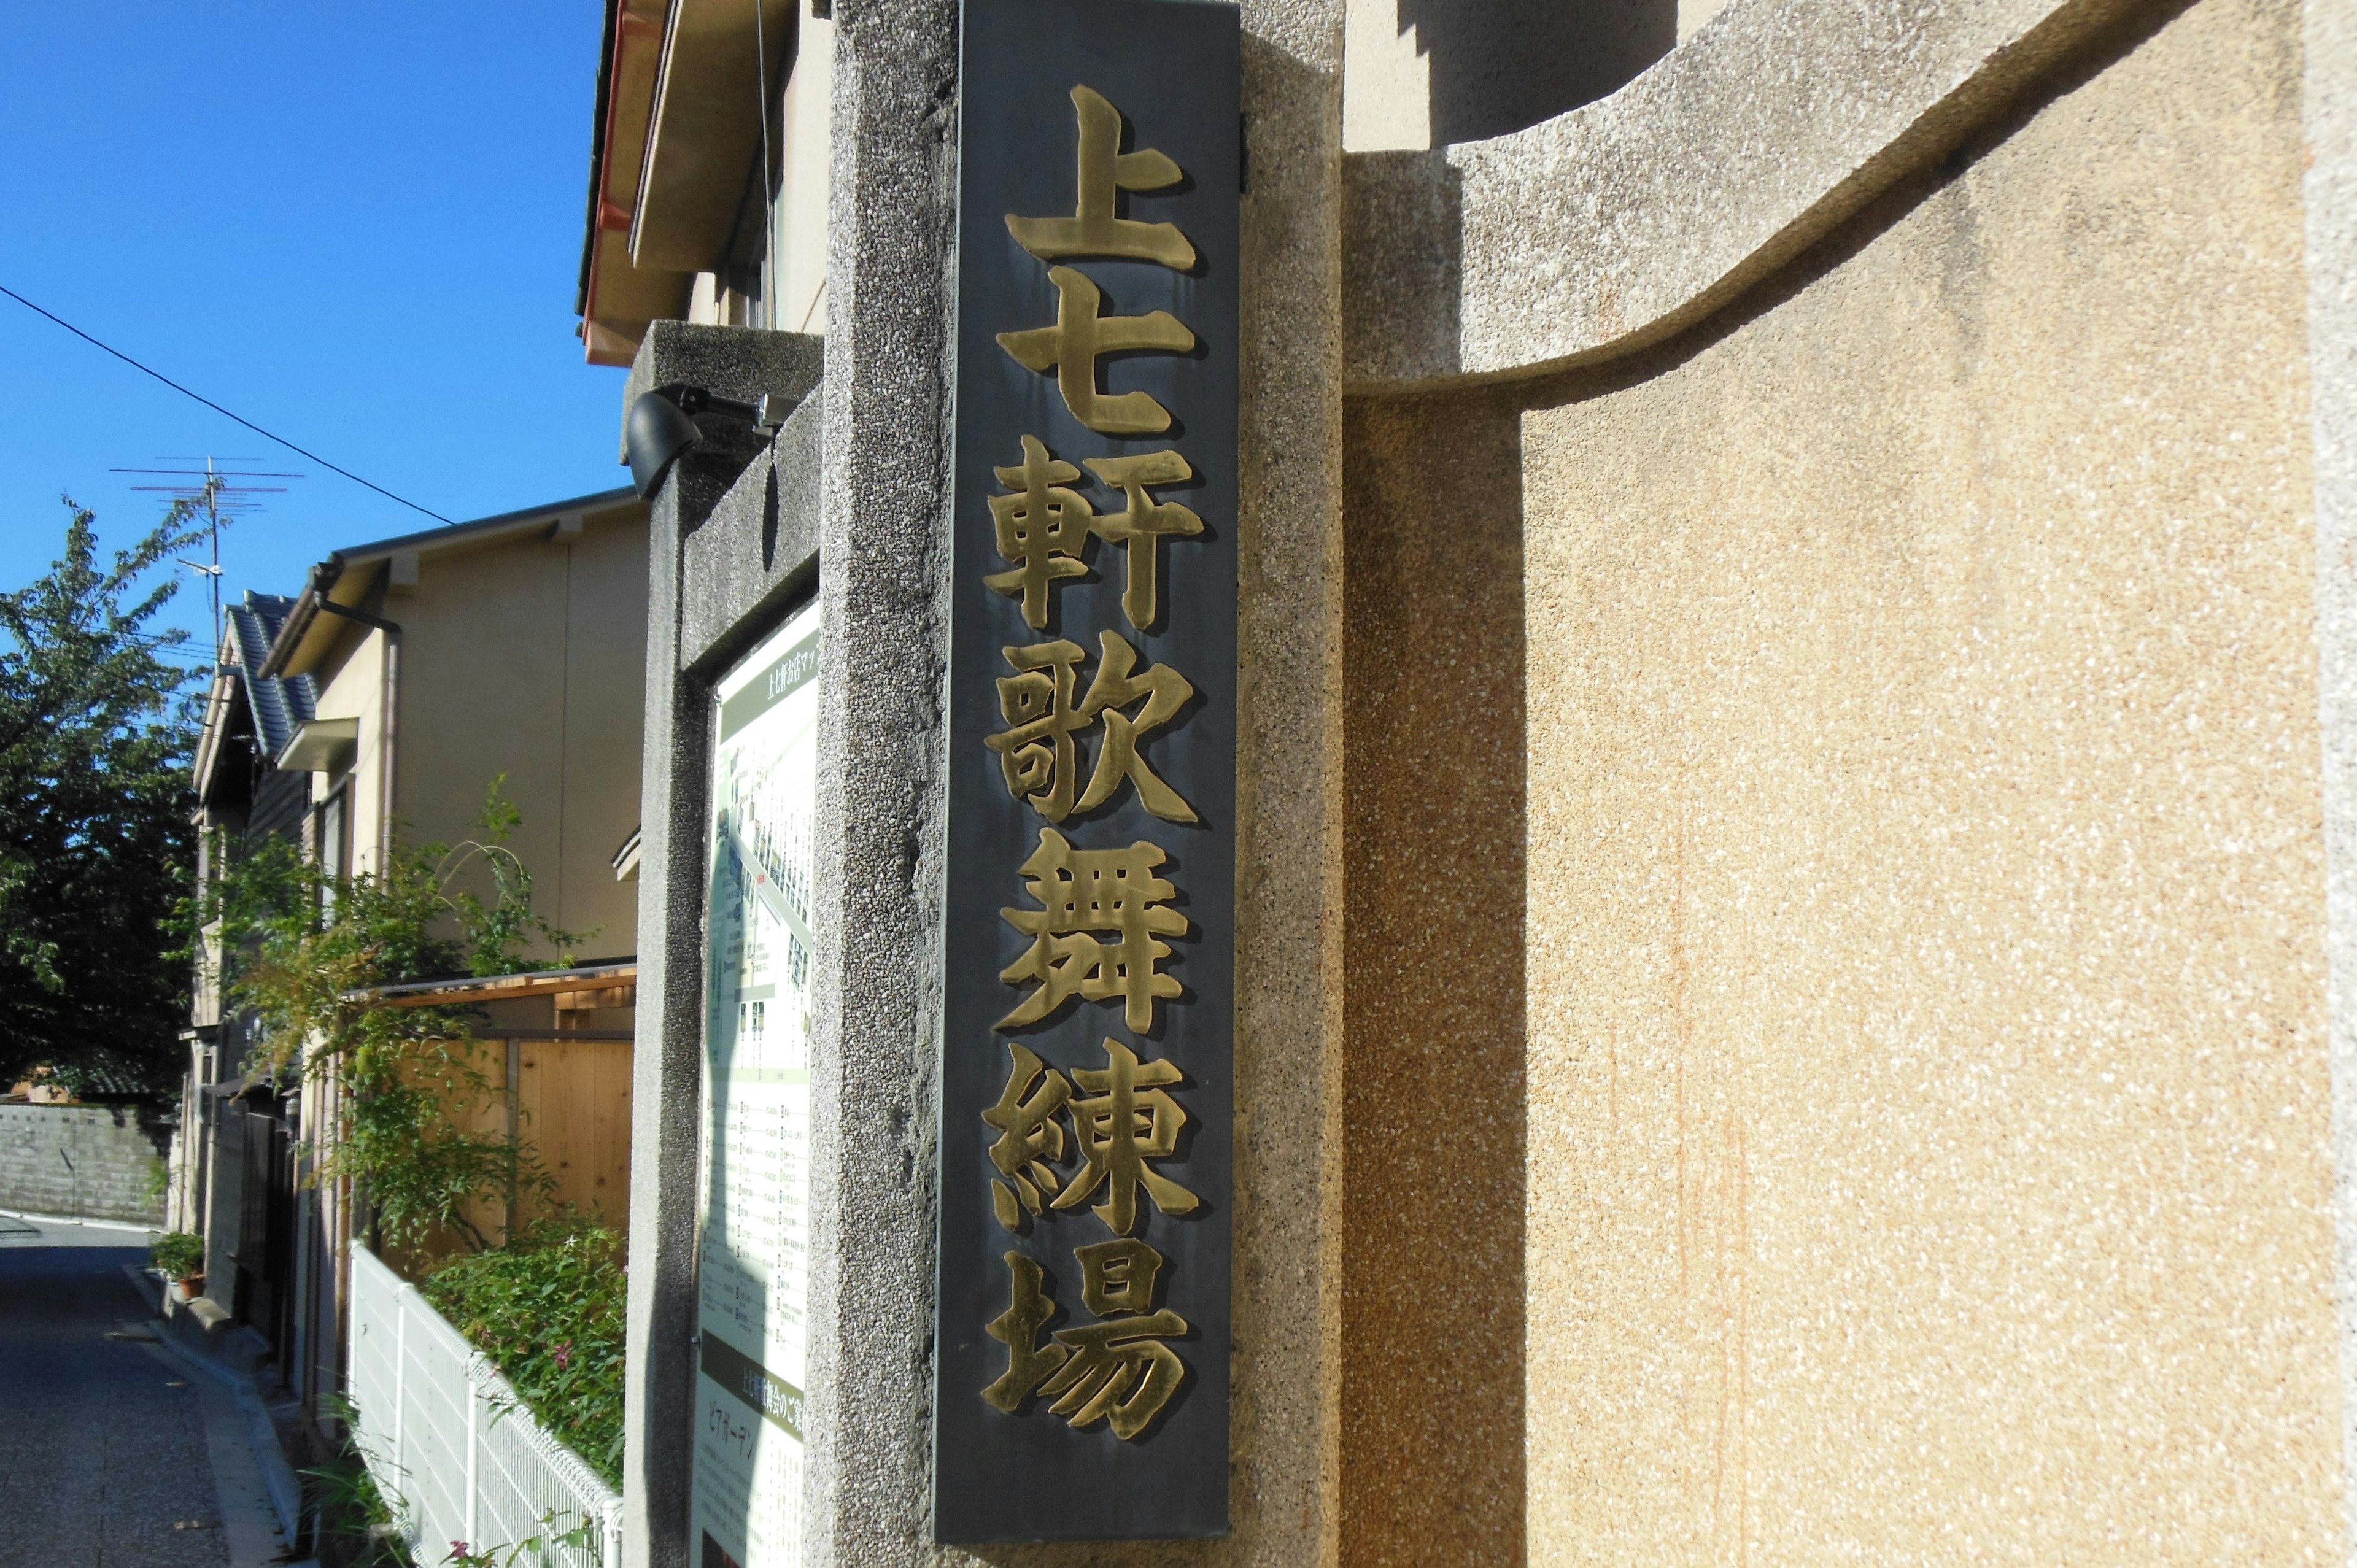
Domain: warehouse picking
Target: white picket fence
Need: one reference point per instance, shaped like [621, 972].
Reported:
[443, 1432]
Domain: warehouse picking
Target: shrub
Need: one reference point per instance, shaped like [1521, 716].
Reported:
[353, 1523]
[547, 1311]
[309, 951]
[179, 1254]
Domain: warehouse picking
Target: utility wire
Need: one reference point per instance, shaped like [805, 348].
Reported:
[217, 408]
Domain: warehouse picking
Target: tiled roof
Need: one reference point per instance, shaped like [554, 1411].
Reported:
[278, 705]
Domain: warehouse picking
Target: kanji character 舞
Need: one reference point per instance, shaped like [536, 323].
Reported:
[1094, 230]
[1037, 750]
[1081, 891]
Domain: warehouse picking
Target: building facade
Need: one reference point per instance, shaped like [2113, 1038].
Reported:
[375, 711]
[1793, 821]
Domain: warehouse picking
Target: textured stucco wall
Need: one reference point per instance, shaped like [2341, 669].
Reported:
[1432, 1413]
[2329, 116]
[1928, 1096]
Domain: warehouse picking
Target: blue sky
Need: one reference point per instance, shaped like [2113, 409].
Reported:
[357, 225]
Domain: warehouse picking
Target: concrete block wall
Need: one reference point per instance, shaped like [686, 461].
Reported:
[81, 1162]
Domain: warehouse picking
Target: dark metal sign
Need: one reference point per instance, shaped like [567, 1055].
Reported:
[1081, 1372]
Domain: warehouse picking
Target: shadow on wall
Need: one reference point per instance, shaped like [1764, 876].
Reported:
[1434, 824]
[1496, 66]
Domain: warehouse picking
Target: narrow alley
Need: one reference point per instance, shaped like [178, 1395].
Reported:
[112, 1447]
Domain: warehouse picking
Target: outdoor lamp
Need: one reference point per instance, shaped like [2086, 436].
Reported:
[661, 428]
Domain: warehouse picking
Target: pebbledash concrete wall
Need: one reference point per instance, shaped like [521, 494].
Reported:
[81, 1162]
[1786, 803]
[1908, 1132]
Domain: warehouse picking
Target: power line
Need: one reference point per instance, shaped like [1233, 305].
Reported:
[217, 408]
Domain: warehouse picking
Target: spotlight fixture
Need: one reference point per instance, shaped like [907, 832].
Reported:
[661, 428]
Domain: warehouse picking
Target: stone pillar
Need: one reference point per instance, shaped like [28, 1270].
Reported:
[877, 840]
[1288, 1057]
[2328, 124]
[667, 1069]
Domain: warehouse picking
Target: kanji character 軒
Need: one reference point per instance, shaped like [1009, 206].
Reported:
[1042, 527]
[1143, 525]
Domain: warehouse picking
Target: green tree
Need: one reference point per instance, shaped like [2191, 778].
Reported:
[309, 953]
[96, 846]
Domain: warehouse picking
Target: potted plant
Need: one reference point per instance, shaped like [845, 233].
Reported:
[181, 1256]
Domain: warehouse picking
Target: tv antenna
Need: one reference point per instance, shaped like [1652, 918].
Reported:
[219, 500]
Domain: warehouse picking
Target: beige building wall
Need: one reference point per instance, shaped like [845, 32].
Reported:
[1915, 1123]
[527, 659]
[793, 252]
[351, 687]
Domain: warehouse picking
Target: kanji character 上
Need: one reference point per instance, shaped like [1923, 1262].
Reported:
[1105, 169]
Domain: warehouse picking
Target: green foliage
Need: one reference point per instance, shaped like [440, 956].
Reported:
[355, 1524]
[306, 952]
[179, 1254]
[550, 1546]
[547, 1311]
[95, 841]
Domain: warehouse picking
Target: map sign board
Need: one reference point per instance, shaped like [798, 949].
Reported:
[753, 1268]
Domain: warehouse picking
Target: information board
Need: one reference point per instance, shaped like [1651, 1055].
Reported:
[753, 1259]
[1082, 1351]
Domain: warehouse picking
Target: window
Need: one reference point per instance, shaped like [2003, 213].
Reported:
[332, 846]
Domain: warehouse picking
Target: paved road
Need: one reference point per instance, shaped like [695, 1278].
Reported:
[103, 1442]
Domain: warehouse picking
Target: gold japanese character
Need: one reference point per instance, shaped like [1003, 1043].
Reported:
[1165, 692]
[1042, 527]
[1074, 343]
[1119, 1369]
[1028, 1135]
[1085, 890]
[1029, 1363]
[1146, 522]
[1035, 750]
[1117, 1276]
[1129, 1121]
[1092, 229]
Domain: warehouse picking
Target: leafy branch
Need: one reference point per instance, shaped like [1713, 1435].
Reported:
[95, 843]
[311, 955]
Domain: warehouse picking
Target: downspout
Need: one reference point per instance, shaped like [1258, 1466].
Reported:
[391, 726]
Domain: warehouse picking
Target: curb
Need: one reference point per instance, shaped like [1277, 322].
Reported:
[277, 1474]
[131, 1225]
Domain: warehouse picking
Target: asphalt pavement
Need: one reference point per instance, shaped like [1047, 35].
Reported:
[105, 1459]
